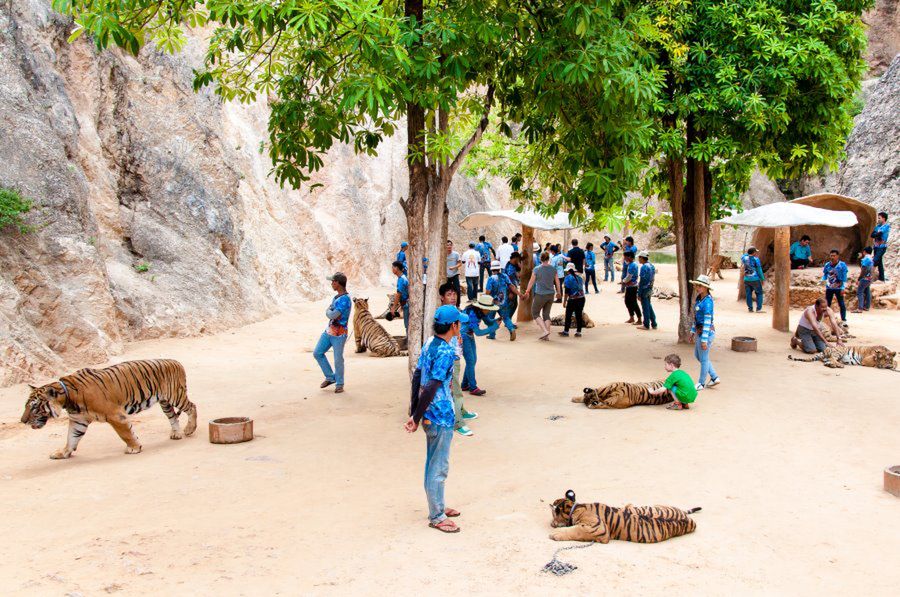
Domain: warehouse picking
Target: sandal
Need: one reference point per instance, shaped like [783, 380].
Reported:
[445, 526]
[674, 406]
[450, 512]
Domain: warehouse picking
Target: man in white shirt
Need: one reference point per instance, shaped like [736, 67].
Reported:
[504, 252]
[471, 259]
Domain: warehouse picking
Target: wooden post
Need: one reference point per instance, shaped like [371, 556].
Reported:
[523, 315]
[781, 303]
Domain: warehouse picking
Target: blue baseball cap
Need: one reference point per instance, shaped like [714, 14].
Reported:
[404, 244]
[447, 314]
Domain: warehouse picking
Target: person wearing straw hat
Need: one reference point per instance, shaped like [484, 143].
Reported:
[704, 331]
[573, 301]
[335, 335]
[499, 287]
[475, 313]
[646, 277]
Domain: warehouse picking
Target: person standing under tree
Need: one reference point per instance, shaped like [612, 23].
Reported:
[431, 403]
[486, 251]
[753, 279]
[335, 335]
[545, 284]
[864, 283]
[646, 278]
[453, 265]
[835, 275]
[627, 247]
[880, 236]
[630, 284]
[576, 256]
[590, 271]
[461, 415]
[401, 297]
[573, 301]
[704, 332]
[609, 249]
[470, 260]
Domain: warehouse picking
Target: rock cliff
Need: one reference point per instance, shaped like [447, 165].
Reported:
[155, 215]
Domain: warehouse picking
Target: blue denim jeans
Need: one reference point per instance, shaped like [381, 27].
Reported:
[706, 366]
[406, 317]
[838, 293]
[470, 356]
[751, 287]
[649, 314]
[864, 295]
[335, 343]
[472, 287]
[505, 318]
[437, 466]
[879, 260]
[609, 270]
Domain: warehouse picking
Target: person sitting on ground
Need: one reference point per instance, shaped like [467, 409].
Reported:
[678, 384]
[808, 336]
[835, 275]
[573, 301]
[475, 314]
[630, 284]
[461, 415]
[880, 236]
[864, 282]
[801, 253]
[401, 297]
[499, 287]
[545, 284]
[753, 279]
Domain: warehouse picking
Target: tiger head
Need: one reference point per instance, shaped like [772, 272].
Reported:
[594, 396]
[42, 403]
[562, 509]
[361, 304]
[880, 357]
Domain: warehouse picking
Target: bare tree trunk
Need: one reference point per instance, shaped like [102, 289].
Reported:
[527, 251]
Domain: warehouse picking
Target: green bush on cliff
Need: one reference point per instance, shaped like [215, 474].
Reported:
[12, 207]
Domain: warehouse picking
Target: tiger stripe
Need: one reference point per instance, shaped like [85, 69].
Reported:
[369, 334]
[622, 394]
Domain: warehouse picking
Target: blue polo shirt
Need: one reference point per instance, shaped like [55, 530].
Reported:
[834, 275]
[436, 362]
[885, 230]
[703, 317]
[590, 260]
[630, 269]
[498, 287]
[752, 268]
[646, 276]
[798, 251]
[403, 288]
[401, 257]
[574, 286]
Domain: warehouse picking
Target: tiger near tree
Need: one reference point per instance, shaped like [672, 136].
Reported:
[836, 357]
[369, 334]
[560, 320]
[110, 395]
[600, 523]
[622, 394]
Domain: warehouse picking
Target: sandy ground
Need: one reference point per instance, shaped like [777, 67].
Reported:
[785, 458]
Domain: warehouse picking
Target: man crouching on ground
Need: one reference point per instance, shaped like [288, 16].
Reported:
[431, 402]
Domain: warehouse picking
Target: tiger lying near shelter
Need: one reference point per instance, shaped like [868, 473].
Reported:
[622, 394]
[867, 356]
[560, 320]
[110, 395]
[599, 522]
[369, 334]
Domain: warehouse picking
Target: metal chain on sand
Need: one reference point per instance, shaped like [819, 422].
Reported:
[559, 568]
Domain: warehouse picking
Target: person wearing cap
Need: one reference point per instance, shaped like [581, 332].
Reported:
[335, 335]
[470, 259]
[704, 331]
[512, 270]
[609, 249]
[630, 284]
[590, 271]
[401, 297]
[431, 404]
[545, 284]
[476, 313]
[499, 287]
[401, 256]
[646, 277]
[461, 415]
[753, 279]
[573, 301]
[486, 251]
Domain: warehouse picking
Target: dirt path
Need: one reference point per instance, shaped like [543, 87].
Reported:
[785, 459]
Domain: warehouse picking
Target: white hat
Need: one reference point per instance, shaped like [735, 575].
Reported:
[495, 264]
[485, 302]
[535, 247]
[644, 254]
[570, 267]
[702, 281]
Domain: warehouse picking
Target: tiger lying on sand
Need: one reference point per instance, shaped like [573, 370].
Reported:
[599, 522]
[867, 356]
[111, 395]
[369, 334]
[560, 320]
[621, 394]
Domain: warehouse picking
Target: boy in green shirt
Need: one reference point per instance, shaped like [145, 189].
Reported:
[679, 384]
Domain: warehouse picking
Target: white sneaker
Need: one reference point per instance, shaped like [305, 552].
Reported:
[713, 382]
[698, 387]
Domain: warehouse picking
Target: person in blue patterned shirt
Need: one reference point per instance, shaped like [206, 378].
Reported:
[630, 284]
[573, 301]
[880, 235]
[512, 269]
[646, 278]
[609, 249]
[500, 287]
[335, 335]
[704, 332]
[486, 250]
[864, 283]
[753, 279]
[431, 403]
[835, 275]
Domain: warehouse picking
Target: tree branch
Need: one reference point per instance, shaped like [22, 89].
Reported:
[476, 136]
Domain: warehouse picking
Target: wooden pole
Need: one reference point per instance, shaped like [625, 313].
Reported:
[523, 315]
[781, 304]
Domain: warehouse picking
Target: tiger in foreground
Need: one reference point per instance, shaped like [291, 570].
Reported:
[867, 356]
[599, 522]
[110, 395]
[621, 394]
[369, 334]
[560, 320]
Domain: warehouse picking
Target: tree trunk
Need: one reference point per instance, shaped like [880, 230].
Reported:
[527, 251]
[781, 302]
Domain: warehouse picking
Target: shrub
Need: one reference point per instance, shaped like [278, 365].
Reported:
[141, 268]
[12, 207]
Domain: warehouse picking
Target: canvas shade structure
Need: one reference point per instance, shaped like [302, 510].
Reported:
[530, 221]
[780, 218]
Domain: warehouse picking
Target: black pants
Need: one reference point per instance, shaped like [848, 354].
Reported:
[575, 306]
[512, 303]
[590, 275]
[631, 302]
[879, 260]
[485, 269]
[831, 293]
[454, 280]
[796, 263]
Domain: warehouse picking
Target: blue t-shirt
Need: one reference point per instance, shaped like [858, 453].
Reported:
[472, 325]
[703, 317]
[536, 258]
[403, 288]
[834, 275]
[343, 304]
[484, 249]
[401, 257]
[630, 269]
[646, 276]
[436, 362]
[515, 247]
[799, 251]
[574, 286]
[866, 264]
[885, 230]
[752, 268]
[590, 260]
[512, 272]
[558, 261]
[498, 287]
[609, 248]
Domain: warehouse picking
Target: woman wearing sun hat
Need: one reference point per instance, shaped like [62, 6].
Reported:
[704, 331]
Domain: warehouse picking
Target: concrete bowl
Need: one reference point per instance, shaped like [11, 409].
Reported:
[743, 344]
[892, 480]
[230, 430]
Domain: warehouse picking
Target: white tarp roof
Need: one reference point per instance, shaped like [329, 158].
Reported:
[482, 219]
[785, 213]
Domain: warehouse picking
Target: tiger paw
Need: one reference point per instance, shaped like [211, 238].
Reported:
[133, 449]
[176, 435]
[557, 536]
[61, 454]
